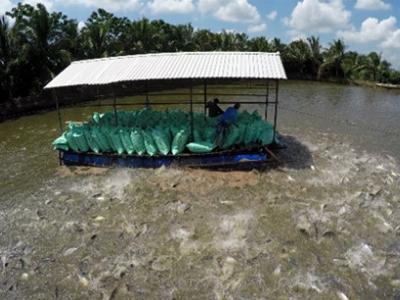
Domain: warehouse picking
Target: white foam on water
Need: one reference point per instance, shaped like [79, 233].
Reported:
[361, 257]
[112, 184]
[309, 281]
[232, 231]
[117, 181]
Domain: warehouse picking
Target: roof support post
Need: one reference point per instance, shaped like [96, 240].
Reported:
[205, 98]
[191, 113]
[58, 111]
[266, 101]
[276, 107]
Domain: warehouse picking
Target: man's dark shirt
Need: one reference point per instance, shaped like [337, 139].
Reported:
[214, 110]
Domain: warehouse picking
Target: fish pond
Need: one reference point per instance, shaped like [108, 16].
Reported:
[323, 224]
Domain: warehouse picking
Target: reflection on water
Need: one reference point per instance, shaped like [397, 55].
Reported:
[324, 225]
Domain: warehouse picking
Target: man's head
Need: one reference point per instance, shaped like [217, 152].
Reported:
[237, 105]
[216, 100]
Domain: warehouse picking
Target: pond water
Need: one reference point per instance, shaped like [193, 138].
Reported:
[324, 224]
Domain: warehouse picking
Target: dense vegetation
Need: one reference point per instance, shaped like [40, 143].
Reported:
[40, 44]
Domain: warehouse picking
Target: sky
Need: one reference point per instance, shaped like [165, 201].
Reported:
[365, 25]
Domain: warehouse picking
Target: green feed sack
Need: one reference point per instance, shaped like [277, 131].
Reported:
[252, 133]
[244, 117]
[80, 140]
[124, 135]
[116, 140]
[96, 118]
[71, 141]
[179, 142]
[201, 147]
[177, 117]
[212, 122]
[242, 132]
[101, 139]
[267, 136]
[162, 140]
[149, 143]
[138, 141]
[61, 147]
[255, 115]
[197, 135]
[106, 131]
[71, 125]
[232, 137]
[174, 130]
[93, 145]
[248, 134]
[209, 134]
[61, 143]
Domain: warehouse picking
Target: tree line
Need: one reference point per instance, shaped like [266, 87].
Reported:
[39, 44]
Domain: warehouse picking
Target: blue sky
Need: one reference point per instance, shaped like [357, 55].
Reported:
[365, 25]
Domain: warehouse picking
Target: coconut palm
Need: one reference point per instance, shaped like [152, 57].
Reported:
[298, 58]
[316, 55]
[42, 39]
[334, 59]
[259, 44]
[373, 65]
[7, 57]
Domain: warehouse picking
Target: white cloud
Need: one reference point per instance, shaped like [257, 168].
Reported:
[272, 15]
[170, 6]
[371, 30]
[110, 5]
[384, 34]
[392, 41]
[231, 10]
[5, 5]
[318, 16]
[372, 5]
[257, 28]
[81, 25]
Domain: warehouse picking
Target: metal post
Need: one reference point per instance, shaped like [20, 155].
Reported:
[205, 98]
[276, 106]
[58, 111]
[266, 102]
[191, 114]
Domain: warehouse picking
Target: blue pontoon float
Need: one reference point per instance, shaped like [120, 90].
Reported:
[198, 74]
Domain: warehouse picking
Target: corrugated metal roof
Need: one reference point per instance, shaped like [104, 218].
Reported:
[167, 66]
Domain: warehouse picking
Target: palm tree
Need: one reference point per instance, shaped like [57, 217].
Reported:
[41, 38]
[298, 59]
[100, 35]
[353, 65]
[373, 64]
[316, 56]
[183, 37]
[204, 40]
[278, 46]
[145, 36]
[7, 56]
[334, 58]
[259, 44]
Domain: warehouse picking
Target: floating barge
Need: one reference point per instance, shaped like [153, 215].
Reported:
[214, 159]
[146, 76]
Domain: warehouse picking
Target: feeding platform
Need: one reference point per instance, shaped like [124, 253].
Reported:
[204, 75]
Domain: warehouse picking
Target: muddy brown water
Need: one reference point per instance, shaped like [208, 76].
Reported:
[325, 224]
